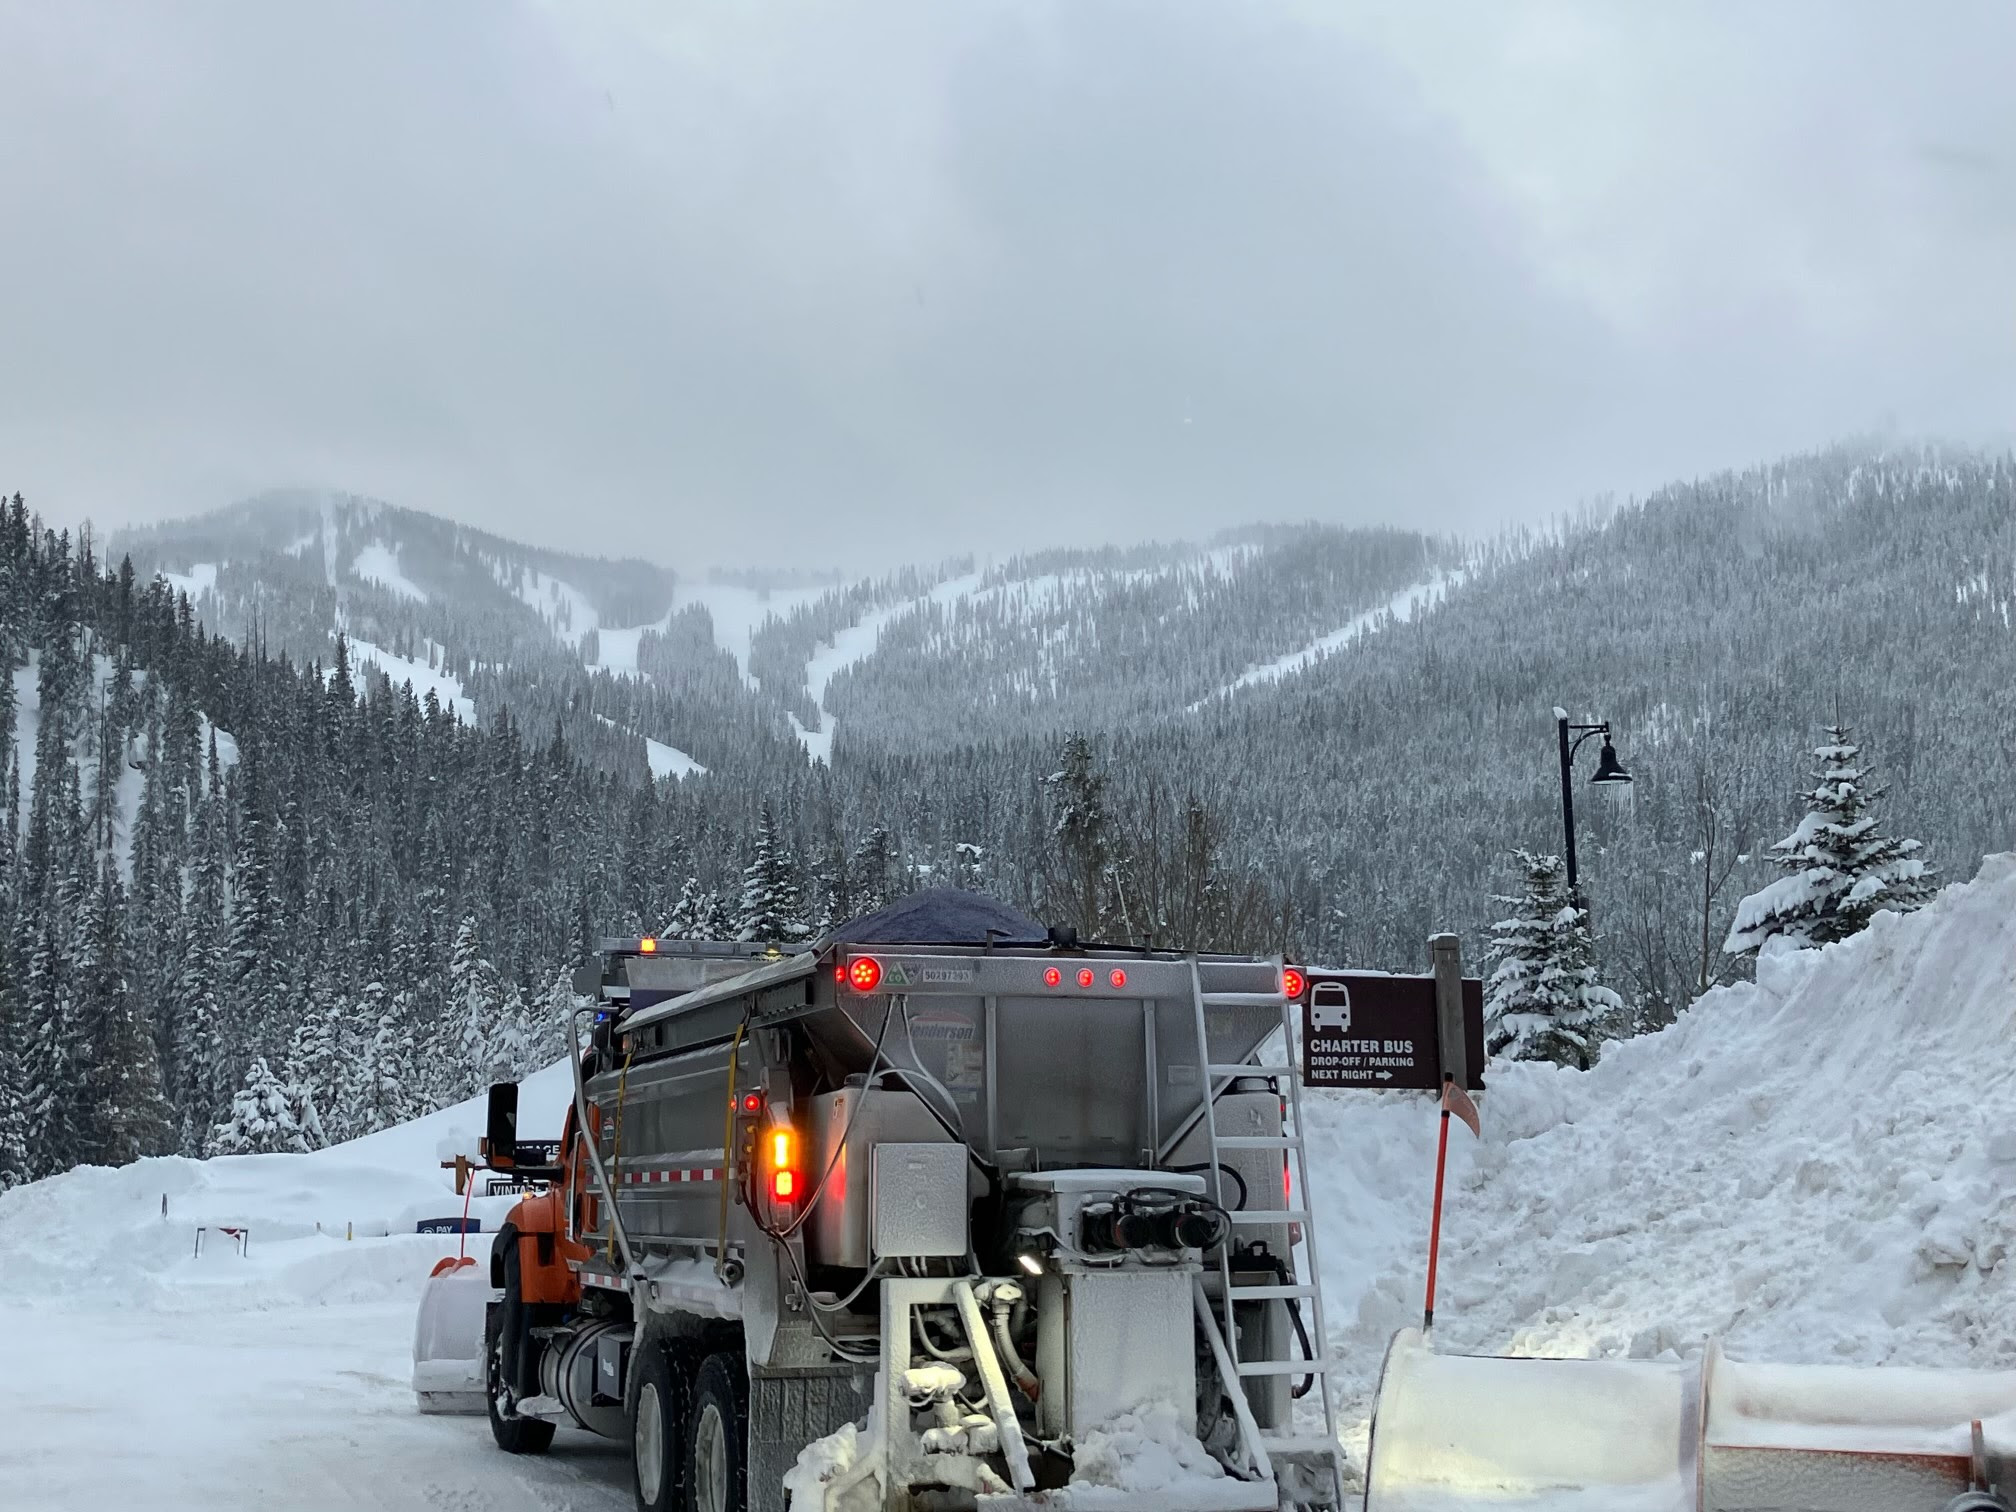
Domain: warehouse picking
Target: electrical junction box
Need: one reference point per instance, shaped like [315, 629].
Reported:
[920, 1200]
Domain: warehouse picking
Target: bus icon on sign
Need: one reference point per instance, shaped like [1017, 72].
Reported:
[1330, 1008]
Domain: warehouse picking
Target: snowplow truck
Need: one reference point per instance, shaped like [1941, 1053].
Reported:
[941, 1196]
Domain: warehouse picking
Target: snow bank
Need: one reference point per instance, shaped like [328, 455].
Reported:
[99, 1236]
[1818, 1167]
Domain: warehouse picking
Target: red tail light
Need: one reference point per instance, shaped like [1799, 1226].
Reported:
[1085, 977]
[780, 1155]
[864, 973]
[1293, 984]
[1052, 976]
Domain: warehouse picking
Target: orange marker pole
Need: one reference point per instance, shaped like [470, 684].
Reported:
[1435, 1223]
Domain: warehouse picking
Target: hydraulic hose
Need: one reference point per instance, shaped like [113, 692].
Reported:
[1002, 1298]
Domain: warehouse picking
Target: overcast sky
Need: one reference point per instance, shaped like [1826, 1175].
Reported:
[839, 283]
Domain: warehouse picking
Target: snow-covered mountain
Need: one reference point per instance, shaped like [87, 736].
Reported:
[1054, 640]
[1360, 716]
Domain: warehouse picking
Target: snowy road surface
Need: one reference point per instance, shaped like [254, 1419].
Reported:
[303, 1408]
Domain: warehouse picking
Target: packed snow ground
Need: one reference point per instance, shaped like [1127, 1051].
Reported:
[1818, 1168]
[142, 1376]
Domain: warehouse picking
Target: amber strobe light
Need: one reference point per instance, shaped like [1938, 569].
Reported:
[1293, 983]
[864, 973]
[647, 946]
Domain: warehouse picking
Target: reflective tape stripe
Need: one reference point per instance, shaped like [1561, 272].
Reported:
[677, 1174]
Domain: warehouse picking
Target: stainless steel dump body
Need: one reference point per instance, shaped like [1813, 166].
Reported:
[1132, 1071]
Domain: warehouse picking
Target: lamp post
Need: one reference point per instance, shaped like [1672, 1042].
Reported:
[1608, 769]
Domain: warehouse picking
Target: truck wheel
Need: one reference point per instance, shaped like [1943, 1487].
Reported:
[514, 1434]
[658, 1403]
[717, 1460]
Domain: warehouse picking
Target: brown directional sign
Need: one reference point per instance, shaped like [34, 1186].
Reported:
[1362, 1029]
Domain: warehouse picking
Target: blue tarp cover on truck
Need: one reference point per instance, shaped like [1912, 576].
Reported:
[942, 916]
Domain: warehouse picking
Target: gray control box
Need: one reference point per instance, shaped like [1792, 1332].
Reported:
[920, 1200]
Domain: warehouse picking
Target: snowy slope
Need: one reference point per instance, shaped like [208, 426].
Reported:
[856, 644]
[1400, 609]
[196, 582]
[379, 563]
[1817, 1167]
[665, 760]
[445, 685]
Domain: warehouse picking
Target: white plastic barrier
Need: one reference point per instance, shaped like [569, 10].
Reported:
[1463, 1433]
[448, 1374]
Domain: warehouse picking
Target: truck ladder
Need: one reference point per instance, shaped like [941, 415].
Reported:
[1265, 1446]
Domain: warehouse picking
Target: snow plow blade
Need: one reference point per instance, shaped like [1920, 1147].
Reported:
[1463, 1433]
[448, 1372]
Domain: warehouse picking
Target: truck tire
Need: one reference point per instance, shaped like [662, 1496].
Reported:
[717, 1446]
[514, 1434]
[658, 1403]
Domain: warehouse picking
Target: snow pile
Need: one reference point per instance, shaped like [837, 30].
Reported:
[336, 1225]
[1818, 1167]
[1149, 1450]
[823, 1461]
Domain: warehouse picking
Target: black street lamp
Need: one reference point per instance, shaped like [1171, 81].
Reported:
[1608, 769]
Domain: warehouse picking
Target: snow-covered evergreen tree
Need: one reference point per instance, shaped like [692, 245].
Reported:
[14, 1162]
[385, 1073]
[1840, 869]
[716, 920]
[871, 882]
[262, 1120]
[684, 922]
[476, 1004]
[123, 1113]
[1543, 1001]
[1083, 831]
[317, 1075]
[773, 902]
